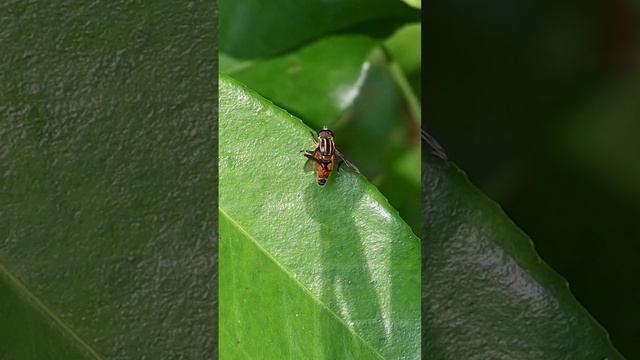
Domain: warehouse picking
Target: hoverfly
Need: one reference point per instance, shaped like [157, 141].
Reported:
[325, 157]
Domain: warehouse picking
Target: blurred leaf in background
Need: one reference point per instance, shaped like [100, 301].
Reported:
[316, 82]
[539, 102]
[405, 48]
[258, 29]
[338, 68]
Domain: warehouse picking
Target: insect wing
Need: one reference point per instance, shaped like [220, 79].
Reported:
[312, 160]
[309, 165]
[436, 149]
[349, 164]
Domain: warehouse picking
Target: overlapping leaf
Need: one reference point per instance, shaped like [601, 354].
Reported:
[317, 82]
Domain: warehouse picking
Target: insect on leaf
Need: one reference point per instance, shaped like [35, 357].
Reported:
[306, 271]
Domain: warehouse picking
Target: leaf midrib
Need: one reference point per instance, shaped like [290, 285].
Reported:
[296, 281]
[32, 299]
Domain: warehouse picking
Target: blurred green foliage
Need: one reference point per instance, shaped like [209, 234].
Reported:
[251, 29]
[539, 102]
[351, 65]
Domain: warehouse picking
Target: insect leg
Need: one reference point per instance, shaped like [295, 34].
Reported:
[308, 153]
[311, 155]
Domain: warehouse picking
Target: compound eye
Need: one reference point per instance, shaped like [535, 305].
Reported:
[326, 132]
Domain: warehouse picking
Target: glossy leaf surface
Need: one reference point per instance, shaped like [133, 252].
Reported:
[107, 182]
[259, 29]
[306, 271]
[316, 82]
[485, 290]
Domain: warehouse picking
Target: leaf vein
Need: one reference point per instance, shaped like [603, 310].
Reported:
[39, 305]
[296, 281]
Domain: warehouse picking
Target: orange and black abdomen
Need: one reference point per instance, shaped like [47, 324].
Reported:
[323, 172]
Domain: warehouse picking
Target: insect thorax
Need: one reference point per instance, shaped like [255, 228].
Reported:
[326, 146]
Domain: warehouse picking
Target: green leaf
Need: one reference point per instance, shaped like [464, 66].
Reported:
[485, 290]
[306, 271]
[317, 82]
[45, 334]
[321, 81]
[107, 182]
[401, 185]
[405, 64]
[405, 47]
[258, 28]
[348, 84]
[414, 3]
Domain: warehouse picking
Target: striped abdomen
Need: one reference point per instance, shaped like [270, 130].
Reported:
[323, 172]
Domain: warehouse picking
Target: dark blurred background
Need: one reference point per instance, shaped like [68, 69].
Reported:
[539, 102]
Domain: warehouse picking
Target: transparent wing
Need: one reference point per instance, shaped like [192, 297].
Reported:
[349, 164]
[311, 162]
[436, 149]
[309, 165]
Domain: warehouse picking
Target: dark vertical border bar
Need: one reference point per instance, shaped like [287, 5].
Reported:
[108, 178]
